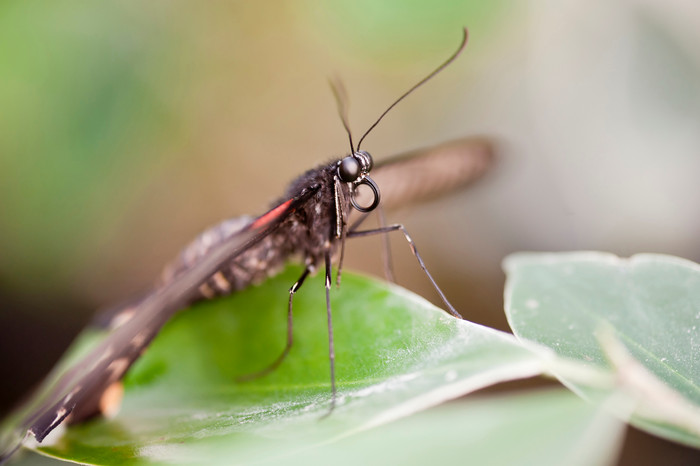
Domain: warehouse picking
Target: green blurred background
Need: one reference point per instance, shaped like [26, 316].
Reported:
[128, 127]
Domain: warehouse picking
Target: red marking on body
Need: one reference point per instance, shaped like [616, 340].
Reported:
[271, 215]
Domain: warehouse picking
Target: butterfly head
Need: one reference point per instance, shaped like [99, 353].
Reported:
[355, 169]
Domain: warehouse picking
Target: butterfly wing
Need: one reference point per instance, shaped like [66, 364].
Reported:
[77, 391]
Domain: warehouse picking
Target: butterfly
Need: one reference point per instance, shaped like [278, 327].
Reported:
[311, 221]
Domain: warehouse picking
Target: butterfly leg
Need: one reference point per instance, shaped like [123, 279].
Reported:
[331, 345]
[290, 334]
[399, 227]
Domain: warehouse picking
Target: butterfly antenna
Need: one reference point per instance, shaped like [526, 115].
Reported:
[418, 84]
[341, 101]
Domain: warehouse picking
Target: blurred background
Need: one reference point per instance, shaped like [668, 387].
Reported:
[128, 127]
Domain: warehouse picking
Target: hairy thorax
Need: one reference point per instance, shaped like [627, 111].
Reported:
[306, 233]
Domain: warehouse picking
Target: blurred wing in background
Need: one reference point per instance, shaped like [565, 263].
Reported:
[425, 174]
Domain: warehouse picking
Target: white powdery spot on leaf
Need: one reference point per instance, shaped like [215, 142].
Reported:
[451, 376]
[384, 386]
[169, 452]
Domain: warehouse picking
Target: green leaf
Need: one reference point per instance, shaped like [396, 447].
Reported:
[396, 354]
[637, 319]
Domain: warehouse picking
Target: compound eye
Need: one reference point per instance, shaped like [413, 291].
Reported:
[349, 169]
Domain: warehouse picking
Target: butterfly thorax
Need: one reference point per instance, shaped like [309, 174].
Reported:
[303, 235]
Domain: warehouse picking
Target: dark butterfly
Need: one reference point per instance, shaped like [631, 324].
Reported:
[310, 220]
